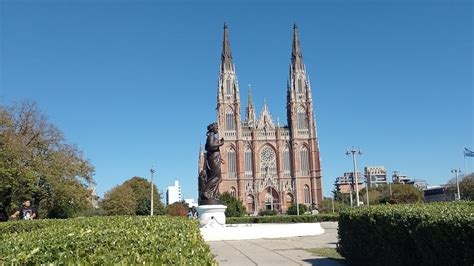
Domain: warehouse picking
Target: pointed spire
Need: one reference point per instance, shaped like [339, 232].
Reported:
[296, 55]
[265, 120]
[226, 56]
[250, 117]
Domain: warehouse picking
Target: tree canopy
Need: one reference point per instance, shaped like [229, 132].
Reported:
[37, 163]
[137, 191]
[466, 187]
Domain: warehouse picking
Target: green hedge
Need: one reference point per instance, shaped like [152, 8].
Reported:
[104, 240]
[283, 219]
[419, 234]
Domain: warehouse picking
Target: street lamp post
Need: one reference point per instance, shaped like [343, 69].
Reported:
[152, 171]
[367, 188]
[456, 172]
[354, 175]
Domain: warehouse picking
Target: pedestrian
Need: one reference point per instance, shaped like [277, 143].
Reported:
[193, 214]
[26, 212]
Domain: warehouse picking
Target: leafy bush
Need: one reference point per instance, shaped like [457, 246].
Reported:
[268, 212]
[283, 219]
[417, 234]
[235, 208]
[293, 211]
[104, 240]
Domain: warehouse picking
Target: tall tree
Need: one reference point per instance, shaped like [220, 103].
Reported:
[141, 191]
[120, 200]
[37, 162]
[138, 189]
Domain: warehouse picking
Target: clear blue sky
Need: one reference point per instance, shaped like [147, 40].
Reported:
[133, 84]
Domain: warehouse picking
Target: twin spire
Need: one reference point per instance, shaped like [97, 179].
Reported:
[296, 55]
[297, 66]
[226, 56]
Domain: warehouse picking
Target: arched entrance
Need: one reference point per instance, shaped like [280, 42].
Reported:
[271, 199]
[250, 204]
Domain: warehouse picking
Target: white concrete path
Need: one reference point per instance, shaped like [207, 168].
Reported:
[279, 251]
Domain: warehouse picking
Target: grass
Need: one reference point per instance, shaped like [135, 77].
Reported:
[330, 253]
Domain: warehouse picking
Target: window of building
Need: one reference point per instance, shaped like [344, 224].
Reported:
[286, 161]
[231, 163]
[267, 162]
[301, 116]
[248, 162]
[304, 159]
[300, 85]
[229, 119]
[307, 198]
[233, 192]
[228, 88]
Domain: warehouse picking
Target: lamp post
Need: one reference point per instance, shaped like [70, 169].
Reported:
[354, 175]
[152, 171]
[367, 188]
[456, 172]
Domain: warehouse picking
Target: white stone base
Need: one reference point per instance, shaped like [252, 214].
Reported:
[211, 216]
[256, 231]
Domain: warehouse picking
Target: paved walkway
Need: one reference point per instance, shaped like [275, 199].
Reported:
[277, 251]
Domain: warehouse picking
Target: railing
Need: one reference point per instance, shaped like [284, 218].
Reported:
[230, 135]
[285, 134]
[247, 134]
[303, 132]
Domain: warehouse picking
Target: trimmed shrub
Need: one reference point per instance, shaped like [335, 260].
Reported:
[416, 234]
[268, 212]
[104, 241]
[283, 219]
[293, 211]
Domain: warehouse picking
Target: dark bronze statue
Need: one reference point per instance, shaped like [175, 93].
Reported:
[210, 177]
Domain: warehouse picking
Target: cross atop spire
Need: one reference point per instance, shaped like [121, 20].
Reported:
[296, 55]
[226, 56]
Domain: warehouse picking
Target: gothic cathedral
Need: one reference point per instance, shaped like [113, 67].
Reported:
[267, 165]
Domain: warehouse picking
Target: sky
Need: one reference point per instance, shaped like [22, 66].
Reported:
[134, 83]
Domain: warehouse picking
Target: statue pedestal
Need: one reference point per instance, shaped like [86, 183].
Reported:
[211, 216]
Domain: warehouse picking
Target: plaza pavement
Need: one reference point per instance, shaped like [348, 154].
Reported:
[277, 251]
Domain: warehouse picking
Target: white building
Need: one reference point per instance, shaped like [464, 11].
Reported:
[376, 175]
[191, 202]
[173, 193]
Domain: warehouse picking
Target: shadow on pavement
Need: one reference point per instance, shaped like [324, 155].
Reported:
[325, 262]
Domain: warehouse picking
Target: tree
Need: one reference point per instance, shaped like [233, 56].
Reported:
[177, 209]
[36, 162]
[466, 187]
[120, 200]
[141, 191]
[400, 193]
[235, 208]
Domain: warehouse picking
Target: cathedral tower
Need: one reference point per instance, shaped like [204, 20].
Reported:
[266, 165]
